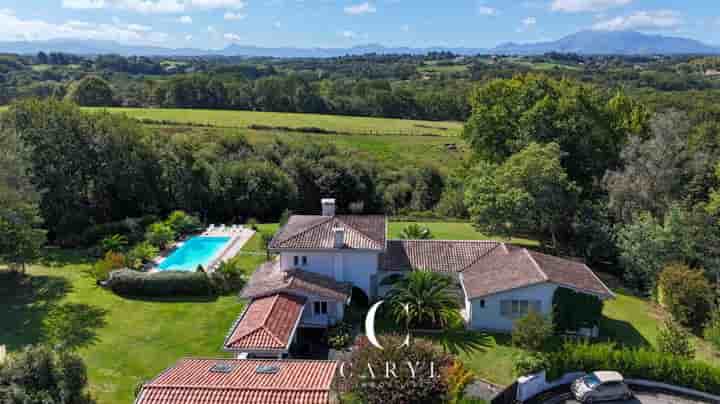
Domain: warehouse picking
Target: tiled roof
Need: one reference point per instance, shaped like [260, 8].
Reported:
[490, 267]
[269, 279]
[434, 255]
[266, 324]
[316, 232]
[509, 267]
[191, 381]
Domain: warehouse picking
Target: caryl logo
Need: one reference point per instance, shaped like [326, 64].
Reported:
[370, 325]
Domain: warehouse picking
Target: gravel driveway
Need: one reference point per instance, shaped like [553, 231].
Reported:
[640, 398]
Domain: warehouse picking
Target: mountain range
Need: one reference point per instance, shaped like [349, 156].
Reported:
[583, 42]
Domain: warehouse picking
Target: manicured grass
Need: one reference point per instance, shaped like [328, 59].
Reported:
[123, 341]
[455, 231]
[343, 124]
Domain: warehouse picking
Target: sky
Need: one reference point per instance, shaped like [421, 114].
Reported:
[214, 24]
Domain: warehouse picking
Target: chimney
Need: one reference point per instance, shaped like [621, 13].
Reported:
[328, 207]
[339, 237]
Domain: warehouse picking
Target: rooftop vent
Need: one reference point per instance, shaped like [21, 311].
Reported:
[222, 367]
[267, 369]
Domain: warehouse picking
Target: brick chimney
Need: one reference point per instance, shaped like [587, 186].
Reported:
[328, 206]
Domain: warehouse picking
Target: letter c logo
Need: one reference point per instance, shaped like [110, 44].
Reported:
[370, 325]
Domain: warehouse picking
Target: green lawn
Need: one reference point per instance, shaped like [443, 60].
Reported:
[343, 124]
[455, 231]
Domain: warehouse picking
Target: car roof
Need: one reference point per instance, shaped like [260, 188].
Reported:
[608, 376]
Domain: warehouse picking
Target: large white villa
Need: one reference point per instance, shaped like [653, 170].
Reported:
[322, 260]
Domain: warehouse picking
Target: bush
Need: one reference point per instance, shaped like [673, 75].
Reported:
[572, 310]
[404, 388]
[141, 254]
[40, 375]
[634, 363]
[229, 277]
[182, 223]
[132, 228]
[158, 284]
[458, 378]
[712, 330]
[674, 340]
[532, 331]
[527, 364]
[100, 271]
[252, 223]
[115, 243]
[339, 336]
[160, 234]
[686, 294]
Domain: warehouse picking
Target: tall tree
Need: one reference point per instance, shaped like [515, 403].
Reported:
[91, 91]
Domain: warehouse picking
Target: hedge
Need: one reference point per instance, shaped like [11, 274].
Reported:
[634, 364]
[157, 284]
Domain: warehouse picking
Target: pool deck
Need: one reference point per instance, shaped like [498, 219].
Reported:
[238, 238]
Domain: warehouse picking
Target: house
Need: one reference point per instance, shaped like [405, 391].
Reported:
[193, 381]
[325, 260]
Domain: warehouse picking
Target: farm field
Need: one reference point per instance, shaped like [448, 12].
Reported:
[395, 151]
[334, 123]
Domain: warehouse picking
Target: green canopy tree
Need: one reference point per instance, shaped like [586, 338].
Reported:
[91, 91]
[429, 298]
[529, 192]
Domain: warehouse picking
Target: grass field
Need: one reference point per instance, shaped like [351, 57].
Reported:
[455, 231]
[337, 123]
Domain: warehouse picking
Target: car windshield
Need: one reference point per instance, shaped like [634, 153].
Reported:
[591, 381]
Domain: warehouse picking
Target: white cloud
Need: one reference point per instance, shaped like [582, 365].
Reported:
[359, 9]
[349, 34]
[16, 28]
[186, 19]
[643, 21]
[230, 16]
[278, 24]
[577, 6]
[211, 29]
[155, 6]
[232, 37]
[405, 28]
[188, 37]
[485, 10]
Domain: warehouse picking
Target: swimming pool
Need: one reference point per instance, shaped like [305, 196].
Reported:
[196, 251]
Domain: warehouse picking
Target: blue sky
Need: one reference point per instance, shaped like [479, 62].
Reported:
[341, 23]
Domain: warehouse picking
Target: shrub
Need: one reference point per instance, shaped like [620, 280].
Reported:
[404, 388]
[532, 331]
[158, 284]
[182, 223]
[458, 378]
[115, 243]
[160, 234]
[100, 271]
[252, 223]
[415, 231]
[141, 254]
[38, 374]
[132, 228]
[572, 310]
[686, 294]
[634, 363]
[339, 336]
[229, 276]
[674, 340]
[531, 363]
[712, 330]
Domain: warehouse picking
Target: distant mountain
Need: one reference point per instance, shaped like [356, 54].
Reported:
[584, 42]
[612, 43]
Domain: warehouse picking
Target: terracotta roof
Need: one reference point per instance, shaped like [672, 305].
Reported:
[434, 255]
[269, 279]
[266, 324]
[191, 381]
[507, 267]
[316, 232]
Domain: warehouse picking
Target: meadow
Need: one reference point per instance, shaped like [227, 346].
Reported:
[332, 123]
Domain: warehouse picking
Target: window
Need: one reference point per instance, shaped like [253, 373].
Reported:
[518, 308]
[296, 260]
[304, 261]
[482, 303]
[320, 308]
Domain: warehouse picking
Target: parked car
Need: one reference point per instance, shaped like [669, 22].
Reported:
[601, 386]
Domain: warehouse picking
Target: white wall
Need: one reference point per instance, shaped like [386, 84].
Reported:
[489, 317]
[356, 267]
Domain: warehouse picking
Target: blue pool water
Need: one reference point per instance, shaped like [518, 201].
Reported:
[196, 251]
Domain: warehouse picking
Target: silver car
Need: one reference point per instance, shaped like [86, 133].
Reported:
[601, 386]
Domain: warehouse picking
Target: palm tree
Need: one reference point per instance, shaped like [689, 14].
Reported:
[416, 232]
[115, 243]
[429, 299]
